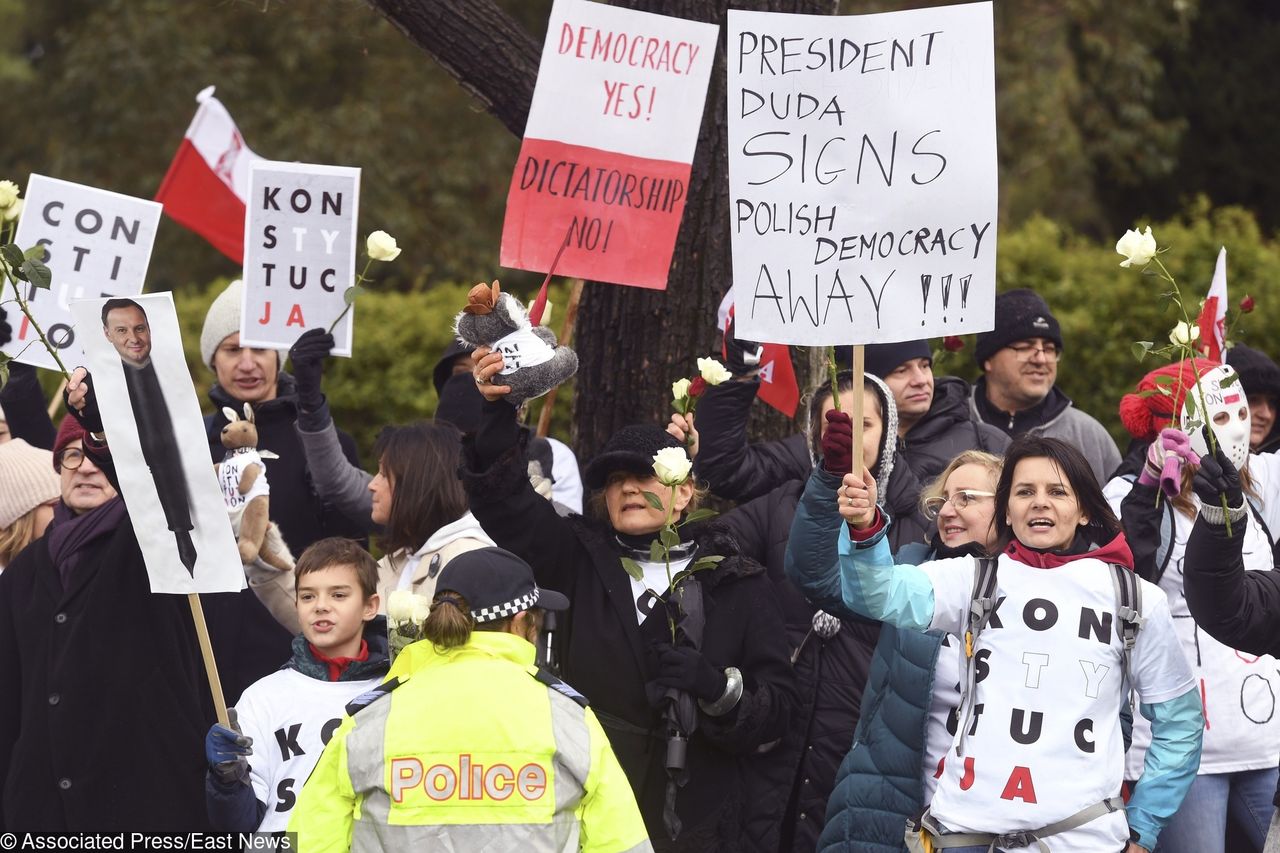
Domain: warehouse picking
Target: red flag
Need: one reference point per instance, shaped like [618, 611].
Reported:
[208, 180]
[778, 386]
[1213, 316]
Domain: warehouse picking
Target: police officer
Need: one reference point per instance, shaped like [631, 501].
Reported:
[469, 746]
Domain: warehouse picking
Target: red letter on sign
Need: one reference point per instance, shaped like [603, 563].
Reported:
[1019, 786]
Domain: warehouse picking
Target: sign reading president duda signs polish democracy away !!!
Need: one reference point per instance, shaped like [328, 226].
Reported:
[862, 174]
[607, 150]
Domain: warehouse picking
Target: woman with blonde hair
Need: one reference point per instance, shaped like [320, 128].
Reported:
[29, 488]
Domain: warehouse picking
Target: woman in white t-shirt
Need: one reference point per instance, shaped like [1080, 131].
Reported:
[1237, 775]
[1038, 757]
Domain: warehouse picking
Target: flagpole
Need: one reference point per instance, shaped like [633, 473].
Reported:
[566, 335]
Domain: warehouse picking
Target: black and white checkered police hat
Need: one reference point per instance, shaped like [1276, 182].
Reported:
[496, 584]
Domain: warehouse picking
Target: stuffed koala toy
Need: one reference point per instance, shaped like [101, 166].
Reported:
[243, 478]
[533, 364]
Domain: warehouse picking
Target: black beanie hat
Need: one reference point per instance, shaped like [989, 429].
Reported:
[1020, 314]
[629, 449]
[1258, 373]
[883, 359]
[444, 367]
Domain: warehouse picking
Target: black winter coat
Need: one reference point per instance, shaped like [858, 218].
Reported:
[247, 640]
[727, 462]
[830, 675]
[604, 650]
[103, 699]
[946, 430]
[1237, 608]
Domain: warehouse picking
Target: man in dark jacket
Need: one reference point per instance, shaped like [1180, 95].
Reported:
[102, 697]
[249, 642]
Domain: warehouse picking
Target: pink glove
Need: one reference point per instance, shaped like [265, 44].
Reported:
[1165, 458]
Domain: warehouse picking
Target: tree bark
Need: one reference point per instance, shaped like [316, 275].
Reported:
[632, 343]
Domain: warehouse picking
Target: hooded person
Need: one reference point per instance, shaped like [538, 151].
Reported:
[1237, 772]
[1017, 391]
[1260, 377]
[724, 682]
[90, 659]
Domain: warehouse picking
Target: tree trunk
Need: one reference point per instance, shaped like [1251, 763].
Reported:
[632, 343]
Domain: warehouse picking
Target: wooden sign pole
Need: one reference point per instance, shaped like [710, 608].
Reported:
[210, 666]
[855, 413]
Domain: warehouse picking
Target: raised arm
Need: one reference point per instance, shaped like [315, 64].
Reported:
[733, 467]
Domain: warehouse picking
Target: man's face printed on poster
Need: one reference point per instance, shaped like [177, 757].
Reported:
[129, 333]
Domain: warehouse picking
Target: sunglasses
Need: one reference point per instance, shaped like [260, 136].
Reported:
[960, 500]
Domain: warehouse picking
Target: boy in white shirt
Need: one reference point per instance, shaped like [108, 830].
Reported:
[282, 722]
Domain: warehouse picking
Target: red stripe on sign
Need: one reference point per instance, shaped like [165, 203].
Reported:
[622, 213]
[197, 198]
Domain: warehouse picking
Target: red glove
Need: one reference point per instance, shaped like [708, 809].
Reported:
[837, 444]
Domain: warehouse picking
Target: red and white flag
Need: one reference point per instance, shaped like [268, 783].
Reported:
[208, 181]
[1213, 317]
[778, 386]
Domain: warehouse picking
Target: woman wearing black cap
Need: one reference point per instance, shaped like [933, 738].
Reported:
[616, 650]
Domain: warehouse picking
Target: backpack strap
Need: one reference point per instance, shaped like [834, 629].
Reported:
[1128, 612]
[981, 605]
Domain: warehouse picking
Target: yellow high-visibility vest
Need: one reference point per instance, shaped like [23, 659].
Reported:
[470, 752]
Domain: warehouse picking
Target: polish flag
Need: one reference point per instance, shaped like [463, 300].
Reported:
[1213, 316]
[208, 181]
[778, 386]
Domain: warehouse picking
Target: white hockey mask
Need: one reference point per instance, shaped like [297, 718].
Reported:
[1227, 410]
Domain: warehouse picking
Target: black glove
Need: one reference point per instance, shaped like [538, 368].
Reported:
[307, 355]
[6, 331]
[89, 417]
[1217, 477]
[741, 357]
[684, 668]
[227, 751]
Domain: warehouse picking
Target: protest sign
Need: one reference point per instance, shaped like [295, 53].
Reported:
[862, 174]
[97, 243]
[152, 420]
[608, 145]
[299, 253]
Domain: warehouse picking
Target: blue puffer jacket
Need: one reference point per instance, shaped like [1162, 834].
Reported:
[879, 782]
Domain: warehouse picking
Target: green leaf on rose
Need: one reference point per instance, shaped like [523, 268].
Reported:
[1164, 380]
[1190, 405]
[12, 255]
[652, 500]
[670, 539]
[1141, 348]
[352, 293]
[37, 273]
[5, 358]
[698, 515]
[36, 253]
[1229, 380]
[633, 568]
[655, 551]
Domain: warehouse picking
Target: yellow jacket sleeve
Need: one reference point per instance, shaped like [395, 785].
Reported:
[608, 814]
[325, 812]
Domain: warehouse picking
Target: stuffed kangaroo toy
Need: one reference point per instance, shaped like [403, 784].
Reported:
[243, 478]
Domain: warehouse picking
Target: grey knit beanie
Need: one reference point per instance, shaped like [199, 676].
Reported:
[27, 480]
[222, 320]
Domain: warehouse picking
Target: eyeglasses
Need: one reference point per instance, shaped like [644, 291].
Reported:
[1024, 352]
[960, 500]
[70, 458]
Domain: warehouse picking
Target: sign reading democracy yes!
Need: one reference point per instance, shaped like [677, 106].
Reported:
[862, 174]
[97, 243]
[299, 252]
[608, 145]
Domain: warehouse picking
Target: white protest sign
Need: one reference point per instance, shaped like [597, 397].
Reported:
[97, 243]
[152, 420]
[608, 145]
[862, 174]
[299, 252]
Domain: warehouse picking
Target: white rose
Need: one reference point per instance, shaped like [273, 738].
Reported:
[672, 466]
[1138, 249]
[400, 605]
[680, 389]
[1184, 334]
[381, 246]
[8, 194]
[713, 371]
[14, 211]
[421, 608]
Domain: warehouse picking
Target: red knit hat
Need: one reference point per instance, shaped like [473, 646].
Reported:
[1144, 417]
[68, 431]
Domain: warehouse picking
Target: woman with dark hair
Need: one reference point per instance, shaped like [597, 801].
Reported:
[726, 673]
[1052, 641]
[420, 504]
[1237, 776]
